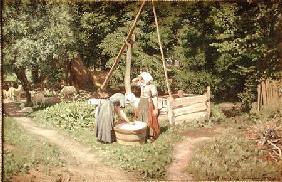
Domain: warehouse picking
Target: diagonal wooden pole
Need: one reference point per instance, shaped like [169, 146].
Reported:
[161, 49]
[116, 61]
[170, 112]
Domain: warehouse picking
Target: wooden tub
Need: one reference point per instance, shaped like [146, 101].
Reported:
[131, 134]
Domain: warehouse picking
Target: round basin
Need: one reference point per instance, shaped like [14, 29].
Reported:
[132, 133]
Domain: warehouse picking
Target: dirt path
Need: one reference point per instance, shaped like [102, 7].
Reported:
[183, 152]
[84, 163]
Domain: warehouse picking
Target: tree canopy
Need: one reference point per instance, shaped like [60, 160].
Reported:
[227, 45]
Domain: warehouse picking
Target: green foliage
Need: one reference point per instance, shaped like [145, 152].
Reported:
[222, 43]
[216, 113]
[194, 82]
[68, 116]
[248, 95]
[232, 157]
[38, 36]
[149, 159]
[10, 77]
[23, 152]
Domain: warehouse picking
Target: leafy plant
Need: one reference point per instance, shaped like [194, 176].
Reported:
[149, 159]
[68, 115]
[216, 114]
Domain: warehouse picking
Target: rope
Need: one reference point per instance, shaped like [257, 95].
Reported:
[163, 59]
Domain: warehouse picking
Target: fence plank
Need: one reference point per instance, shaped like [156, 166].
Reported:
[268, 93]
[160, 103]
[276, 92]
[259, 97]
[263, 91]
[170, 113]
[208, 103]
[191, 117]
[185, 101]
[201, 106]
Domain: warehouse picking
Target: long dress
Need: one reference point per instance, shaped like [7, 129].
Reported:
[145, 110]
[105, 122]
[105, 116]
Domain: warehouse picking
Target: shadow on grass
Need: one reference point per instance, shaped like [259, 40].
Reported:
[41, 107]
[163, 128]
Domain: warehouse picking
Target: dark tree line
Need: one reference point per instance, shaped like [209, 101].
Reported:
[227, 45]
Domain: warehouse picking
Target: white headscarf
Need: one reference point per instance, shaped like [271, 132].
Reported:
[146, 77]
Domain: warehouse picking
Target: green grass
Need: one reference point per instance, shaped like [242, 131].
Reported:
[149, 160]
[231, 156]
[23, 151]
[10, 77]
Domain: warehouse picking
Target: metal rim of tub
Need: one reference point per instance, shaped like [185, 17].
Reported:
[139, 138]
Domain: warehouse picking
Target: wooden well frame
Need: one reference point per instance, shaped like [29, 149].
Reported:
[188, 108]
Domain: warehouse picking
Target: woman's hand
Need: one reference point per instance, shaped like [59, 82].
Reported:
[135, 80]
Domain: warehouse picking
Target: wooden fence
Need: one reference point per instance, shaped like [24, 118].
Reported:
[269, 93]
[191, 107]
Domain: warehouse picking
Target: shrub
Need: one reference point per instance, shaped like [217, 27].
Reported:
[68, 115]
[216, 114]
[194, 82]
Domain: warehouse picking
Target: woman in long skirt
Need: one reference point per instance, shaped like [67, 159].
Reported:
[147, 110]
[105, 112]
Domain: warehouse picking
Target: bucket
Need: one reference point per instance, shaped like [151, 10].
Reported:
[133, 133]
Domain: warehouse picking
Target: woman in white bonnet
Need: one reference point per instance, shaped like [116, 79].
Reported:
[147, 110]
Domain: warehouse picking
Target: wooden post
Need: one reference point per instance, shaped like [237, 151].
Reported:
[275, 92]
[263, 91]
[208, 102]
[127, 79]
[259, 97]
[170, 113]
[267, 93]
[116, 61]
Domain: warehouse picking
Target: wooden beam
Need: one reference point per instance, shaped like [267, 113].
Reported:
[201, 106]
[116, 61]
[161, 49]
[191, 117]
[185, 101]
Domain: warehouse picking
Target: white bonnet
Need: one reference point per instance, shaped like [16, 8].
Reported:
[146, 77]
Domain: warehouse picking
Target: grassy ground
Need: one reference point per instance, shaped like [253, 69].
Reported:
[149, 159]
[234, 156]
[229, 157]
[23, 151]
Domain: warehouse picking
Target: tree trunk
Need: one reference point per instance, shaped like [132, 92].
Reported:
[35, 75]
[67, 79]
[20, 72]
[128, 66]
